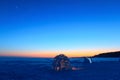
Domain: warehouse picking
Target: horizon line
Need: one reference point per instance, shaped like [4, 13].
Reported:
[53, 54]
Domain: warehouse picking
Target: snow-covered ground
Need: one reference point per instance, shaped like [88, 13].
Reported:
[40, 69]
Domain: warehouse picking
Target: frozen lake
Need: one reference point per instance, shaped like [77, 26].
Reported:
[40, 69]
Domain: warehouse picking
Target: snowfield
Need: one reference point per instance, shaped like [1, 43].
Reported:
[41, 69]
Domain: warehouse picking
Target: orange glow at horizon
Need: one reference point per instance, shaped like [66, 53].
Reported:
[53, 53]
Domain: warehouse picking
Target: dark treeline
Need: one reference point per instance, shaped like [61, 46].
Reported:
[109, 54]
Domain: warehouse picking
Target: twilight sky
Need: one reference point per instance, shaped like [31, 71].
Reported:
[59, 25]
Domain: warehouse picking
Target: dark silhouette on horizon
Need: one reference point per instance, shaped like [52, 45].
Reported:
[109, 54]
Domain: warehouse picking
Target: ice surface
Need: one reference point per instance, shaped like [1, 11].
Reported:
[40, 69]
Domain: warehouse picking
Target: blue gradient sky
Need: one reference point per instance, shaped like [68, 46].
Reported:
[59, 24]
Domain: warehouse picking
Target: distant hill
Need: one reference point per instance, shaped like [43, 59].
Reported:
[109, 54]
